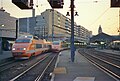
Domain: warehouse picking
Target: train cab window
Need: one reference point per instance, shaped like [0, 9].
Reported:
[23, 41]
[29, 37]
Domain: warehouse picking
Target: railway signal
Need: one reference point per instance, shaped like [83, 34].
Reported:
[115, 3]
[23, 4]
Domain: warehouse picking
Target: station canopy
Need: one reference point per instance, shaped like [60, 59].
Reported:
[101, 37]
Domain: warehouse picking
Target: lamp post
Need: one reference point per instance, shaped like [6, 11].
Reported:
[52, 24]
[72, 32]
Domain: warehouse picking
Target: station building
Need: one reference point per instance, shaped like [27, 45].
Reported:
[7, 29]
[7, 25]
[102, 39]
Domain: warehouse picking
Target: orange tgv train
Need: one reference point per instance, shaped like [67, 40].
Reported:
[56, 46]
[28, 46]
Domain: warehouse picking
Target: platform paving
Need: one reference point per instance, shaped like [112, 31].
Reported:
[5, 55]
[109, 51]
[80, 70]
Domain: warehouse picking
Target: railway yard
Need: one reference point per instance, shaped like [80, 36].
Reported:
[42, 43]
[92, 63]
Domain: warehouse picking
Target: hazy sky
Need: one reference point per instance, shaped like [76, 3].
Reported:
[91, 13]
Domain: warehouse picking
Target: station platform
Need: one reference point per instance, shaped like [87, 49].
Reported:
[109, 51]
[5, 55]
[79, 70]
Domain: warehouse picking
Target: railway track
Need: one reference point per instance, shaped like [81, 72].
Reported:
[6, 61]
[36, 71]
[19, 67]
[6, 64]
[112, 59]
[108, 63]
[12, 63]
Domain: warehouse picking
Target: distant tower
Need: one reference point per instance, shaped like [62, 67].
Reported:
[100, 29]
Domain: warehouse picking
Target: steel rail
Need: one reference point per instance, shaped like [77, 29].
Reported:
[100, 59]
[40, 76]
[28, 69]
[92, 60]
[95, 56]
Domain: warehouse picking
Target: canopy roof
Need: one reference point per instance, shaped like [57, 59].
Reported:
[101, 37]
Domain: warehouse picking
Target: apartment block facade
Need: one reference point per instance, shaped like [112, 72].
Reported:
[51, 24]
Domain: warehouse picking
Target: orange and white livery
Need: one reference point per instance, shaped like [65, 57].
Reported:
[27, 46]
[56, 46]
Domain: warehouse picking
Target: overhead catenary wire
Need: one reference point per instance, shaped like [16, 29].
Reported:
[99, 16]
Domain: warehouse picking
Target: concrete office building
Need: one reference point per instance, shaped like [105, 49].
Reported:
[84, 34]
[53, 23]
[7, 30]
[26, 25]
[41, 29]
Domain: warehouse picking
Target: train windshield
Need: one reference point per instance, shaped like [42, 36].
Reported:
[23, 41]
[28, 36]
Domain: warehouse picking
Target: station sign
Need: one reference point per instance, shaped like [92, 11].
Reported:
[115, 3]
[23, 4]
[56, 3]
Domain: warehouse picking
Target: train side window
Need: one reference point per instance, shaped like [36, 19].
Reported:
[38, 45]
[49, 46]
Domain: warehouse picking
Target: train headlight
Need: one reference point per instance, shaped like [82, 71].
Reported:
[24, 48]
[13, 48]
